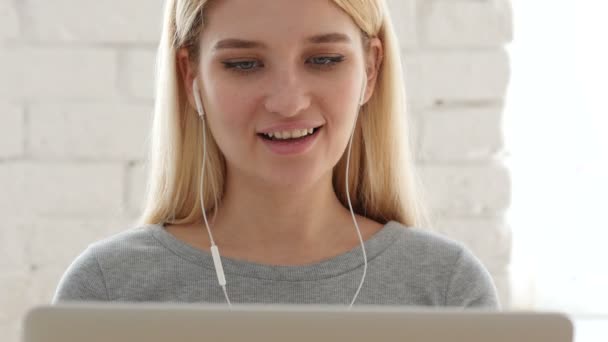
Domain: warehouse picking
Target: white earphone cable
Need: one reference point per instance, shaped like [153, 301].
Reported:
[214, 250]
[355, 221]
[350, 206]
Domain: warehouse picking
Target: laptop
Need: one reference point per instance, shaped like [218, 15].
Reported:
[154, 322]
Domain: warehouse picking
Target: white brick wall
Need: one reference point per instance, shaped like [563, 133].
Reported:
[11, 145]
[92, 131]
[137, 187]
[9, 25]
[138, 71]
[461, 134]
[467, 189]
[92, 21]
[76, 92]
[61, 189]
[482, 76]
[403, 15]
[466, 23]
[49, 73]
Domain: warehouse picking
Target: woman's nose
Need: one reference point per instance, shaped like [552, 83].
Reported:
[288, 95]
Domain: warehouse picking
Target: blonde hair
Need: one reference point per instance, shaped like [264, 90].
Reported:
[382, 180]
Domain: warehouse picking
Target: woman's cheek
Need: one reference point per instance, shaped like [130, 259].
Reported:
[231, 105]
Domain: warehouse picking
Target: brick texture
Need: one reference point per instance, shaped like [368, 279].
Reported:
[466, 23]
[430, 76]
[461, 134]
[138, 73]
[9, 23]
[45, 74]
[12, 137]
[61, 189]
[403, 15]
[137, 174]
[89, 131]
[91, 21]
[467, 190]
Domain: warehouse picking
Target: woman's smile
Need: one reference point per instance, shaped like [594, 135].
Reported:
[291, 145]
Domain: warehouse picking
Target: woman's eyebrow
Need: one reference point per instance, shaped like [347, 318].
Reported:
[234, 43]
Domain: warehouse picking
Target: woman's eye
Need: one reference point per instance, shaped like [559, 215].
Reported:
[252, 66]
[327, 61]
[240, 66]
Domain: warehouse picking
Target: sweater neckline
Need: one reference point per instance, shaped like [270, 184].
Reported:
[331, 267]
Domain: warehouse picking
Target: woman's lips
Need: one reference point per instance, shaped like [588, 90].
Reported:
[291, 146]
[289, 126]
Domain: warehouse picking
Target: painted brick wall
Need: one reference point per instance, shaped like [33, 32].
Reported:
[76, 91]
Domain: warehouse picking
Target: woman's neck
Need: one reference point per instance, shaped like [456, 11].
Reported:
[278, 227]
[295, 219]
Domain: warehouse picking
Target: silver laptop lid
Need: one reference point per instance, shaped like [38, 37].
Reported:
[118, 322]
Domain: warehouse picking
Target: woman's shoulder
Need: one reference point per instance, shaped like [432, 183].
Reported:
[86, 276]
[425, 242]
[458, 271]
[131, 239]
[135, 247]
[427, 248]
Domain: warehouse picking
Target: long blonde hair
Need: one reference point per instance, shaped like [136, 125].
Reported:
[382, 180]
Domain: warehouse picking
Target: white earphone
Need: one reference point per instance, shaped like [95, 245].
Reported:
[197, 99]
[217, 261]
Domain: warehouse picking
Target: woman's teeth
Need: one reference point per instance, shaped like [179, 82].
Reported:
[297, 133]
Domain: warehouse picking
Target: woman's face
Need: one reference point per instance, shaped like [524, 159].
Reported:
[262, 67]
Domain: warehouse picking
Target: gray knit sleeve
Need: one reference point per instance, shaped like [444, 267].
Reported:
[471, 285]
[82, 281]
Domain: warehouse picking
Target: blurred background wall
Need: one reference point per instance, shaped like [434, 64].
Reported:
[76, 94]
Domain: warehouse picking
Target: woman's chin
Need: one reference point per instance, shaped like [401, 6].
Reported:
[292, 180]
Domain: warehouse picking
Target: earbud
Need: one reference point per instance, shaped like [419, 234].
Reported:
[197, 98]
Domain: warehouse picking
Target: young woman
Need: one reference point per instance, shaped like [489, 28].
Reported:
[280, 169]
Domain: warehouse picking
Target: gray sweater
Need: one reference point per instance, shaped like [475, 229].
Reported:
[406, 266]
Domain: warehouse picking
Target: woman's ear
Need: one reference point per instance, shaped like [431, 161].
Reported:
[187, 73]
[372, 66]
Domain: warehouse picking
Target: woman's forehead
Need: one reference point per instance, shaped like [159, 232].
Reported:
[296, 21]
